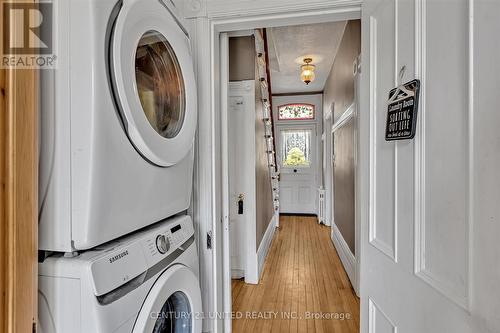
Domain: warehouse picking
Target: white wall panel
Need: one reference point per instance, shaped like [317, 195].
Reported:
[383, 224]
[305, 194]
[378, 321]
[441, 241]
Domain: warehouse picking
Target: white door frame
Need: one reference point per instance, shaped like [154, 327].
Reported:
[327, 158]
[226, 242]
[211, 18]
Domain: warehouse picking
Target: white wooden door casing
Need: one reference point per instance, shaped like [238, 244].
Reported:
[424, 266]
[208, 20]
[326, 159]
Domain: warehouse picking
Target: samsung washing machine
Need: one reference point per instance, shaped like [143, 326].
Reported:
[147, 282]
[118, 118]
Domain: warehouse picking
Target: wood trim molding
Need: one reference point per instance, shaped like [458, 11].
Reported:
[18, 199]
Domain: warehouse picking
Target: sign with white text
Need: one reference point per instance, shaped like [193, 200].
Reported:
[402, 110]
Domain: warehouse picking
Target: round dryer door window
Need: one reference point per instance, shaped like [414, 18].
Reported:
[153, 80]
[160, 84]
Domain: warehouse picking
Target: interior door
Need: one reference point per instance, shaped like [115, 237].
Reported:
[238, 168]
[298, 162]
[425, 245]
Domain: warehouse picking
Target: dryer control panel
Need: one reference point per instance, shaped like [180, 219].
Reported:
[129, 257]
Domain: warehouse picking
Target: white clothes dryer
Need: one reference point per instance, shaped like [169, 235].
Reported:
[144, 283]
[118, 119]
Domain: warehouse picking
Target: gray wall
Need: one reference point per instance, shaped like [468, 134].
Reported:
[241, 58]
[343, 177]
[339, 89]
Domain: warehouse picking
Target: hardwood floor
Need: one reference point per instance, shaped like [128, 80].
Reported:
[302, 276]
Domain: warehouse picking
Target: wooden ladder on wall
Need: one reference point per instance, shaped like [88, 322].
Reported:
[261, 49]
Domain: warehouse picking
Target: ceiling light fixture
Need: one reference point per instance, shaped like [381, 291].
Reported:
[307, 71]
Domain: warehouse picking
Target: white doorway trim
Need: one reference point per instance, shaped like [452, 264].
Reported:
[226, 243]
[209, 20]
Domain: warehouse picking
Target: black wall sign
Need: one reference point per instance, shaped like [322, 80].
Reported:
[402, 111]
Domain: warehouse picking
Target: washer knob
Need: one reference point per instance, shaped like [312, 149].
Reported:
[162, 244]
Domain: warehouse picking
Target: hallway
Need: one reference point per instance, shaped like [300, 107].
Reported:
[302, 274]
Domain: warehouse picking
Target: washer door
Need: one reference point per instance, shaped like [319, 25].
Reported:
[154, 81]
[172, 305]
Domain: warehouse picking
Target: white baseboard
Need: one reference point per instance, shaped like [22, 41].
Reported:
[266, 243]
[237, 273]
[345, 254]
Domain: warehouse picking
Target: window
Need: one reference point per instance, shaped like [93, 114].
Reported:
[159, 84]
[174, 315]
[296, 112]
[296, 148]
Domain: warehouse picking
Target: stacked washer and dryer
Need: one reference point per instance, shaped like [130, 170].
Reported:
[118, 120]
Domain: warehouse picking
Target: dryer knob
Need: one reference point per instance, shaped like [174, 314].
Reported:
[162, 244]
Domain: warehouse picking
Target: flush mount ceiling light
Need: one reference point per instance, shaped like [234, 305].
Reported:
[307, 71]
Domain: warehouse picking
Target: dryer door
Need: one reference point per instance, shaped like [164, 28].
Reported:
[172, 305]
[153, 79]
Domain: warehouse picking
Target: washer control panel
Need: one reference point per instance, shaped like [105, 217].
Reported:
[131, 256]
[162, 244]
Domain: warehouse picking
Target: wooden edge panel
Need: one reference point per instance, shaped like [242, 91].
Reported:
[18, 197]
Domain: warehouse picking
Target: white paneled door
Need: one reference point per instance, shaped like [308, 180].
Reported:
[297, 149]
[426, 254]
[241, 174]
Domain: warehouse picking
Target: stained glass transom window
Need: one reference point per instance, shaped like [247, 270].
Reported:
[296, 148]
[296, 112]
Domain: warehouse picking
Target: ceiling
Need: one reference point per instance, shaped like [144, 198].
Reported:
[288, 46]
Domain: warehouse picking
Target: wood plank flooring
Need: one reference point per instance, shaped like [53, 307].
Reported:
[303, 278]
